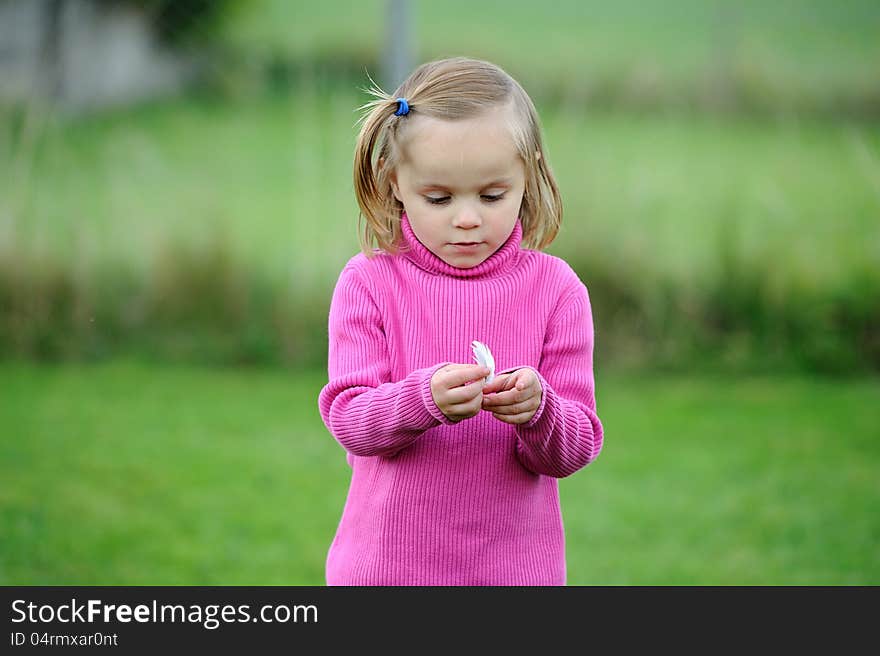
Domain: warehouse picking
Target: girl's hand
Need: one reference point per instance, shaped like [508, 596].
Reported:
[457, 390]
[513, 398]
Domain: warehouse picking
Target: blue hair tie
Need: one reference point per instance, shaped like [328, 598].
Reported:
[403, 107]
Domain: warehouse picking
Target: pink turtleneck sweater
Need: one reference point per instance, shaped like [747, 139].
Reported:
[433, 502]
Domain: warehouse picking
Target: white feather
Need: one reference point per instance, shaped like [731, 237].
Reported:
[483, 356]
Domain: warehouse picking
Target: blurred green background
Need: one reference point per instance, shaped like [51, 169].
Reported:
[170, 235]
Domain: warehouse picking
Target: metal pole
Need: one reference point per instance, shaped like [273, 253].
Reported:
[398, 51]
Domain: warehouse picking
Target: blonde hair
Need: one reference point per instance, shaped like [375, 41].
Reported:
[449, 89]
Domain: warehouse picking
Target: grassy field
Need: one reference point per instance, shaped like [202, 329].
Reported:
[115, 227]
[272, 178]
[134, 474]
[805, 53]
[212, 227]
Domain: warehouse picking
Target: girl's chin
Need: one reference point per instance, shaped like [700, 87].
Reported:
[464, 262]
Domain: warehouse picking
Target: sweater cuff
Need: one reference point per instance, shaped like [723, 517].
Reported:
[546, 392]
[428, 398]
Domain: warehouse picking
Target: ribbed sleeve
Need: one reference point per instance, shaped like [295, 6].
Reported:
[565, 434]
[367, 413]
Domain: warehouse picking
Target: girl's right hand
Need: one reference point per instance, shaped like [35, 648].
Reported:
[457, 390]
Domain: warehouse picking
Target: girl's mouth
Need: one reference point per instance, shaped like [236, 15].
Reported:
[467, 246]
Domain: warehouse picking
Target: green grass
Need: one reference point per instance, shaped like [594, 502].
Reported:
[749, 239]
[801, 52]
[129, 474]
[272, 179]
[132, 474]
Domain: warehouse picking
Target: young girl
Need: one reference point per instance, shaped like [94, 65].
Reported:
[453, 477]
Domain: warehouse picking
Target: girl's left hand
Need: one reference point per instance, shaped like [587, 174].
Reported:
[513, 398]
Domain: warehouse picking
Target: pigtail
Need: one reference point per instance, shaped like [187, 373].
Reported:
[378, 208]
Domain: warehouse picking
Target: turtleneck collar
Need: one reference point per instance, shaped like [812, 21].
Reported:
[499, 263]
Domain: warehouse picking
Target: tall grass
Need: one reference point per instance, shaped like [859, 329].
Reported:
[805, 56]
[208, 231]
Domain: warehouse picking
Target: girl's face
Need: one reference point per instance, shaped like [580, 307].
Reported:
[461, 184]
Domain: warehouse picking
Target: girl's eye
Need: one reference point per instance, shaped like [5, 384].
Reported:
[440, 201]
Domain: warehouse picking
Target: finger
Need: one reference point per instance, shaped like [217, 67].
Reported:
[463, 409]
[521, 418]
[525, 378]
[518, 379]
[498, 384]
[456, 375]
[507, 397]
[516, 408]
[462, 394]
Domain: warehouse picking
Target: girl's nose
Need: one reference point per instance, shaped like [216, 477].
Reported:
[467, 218]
